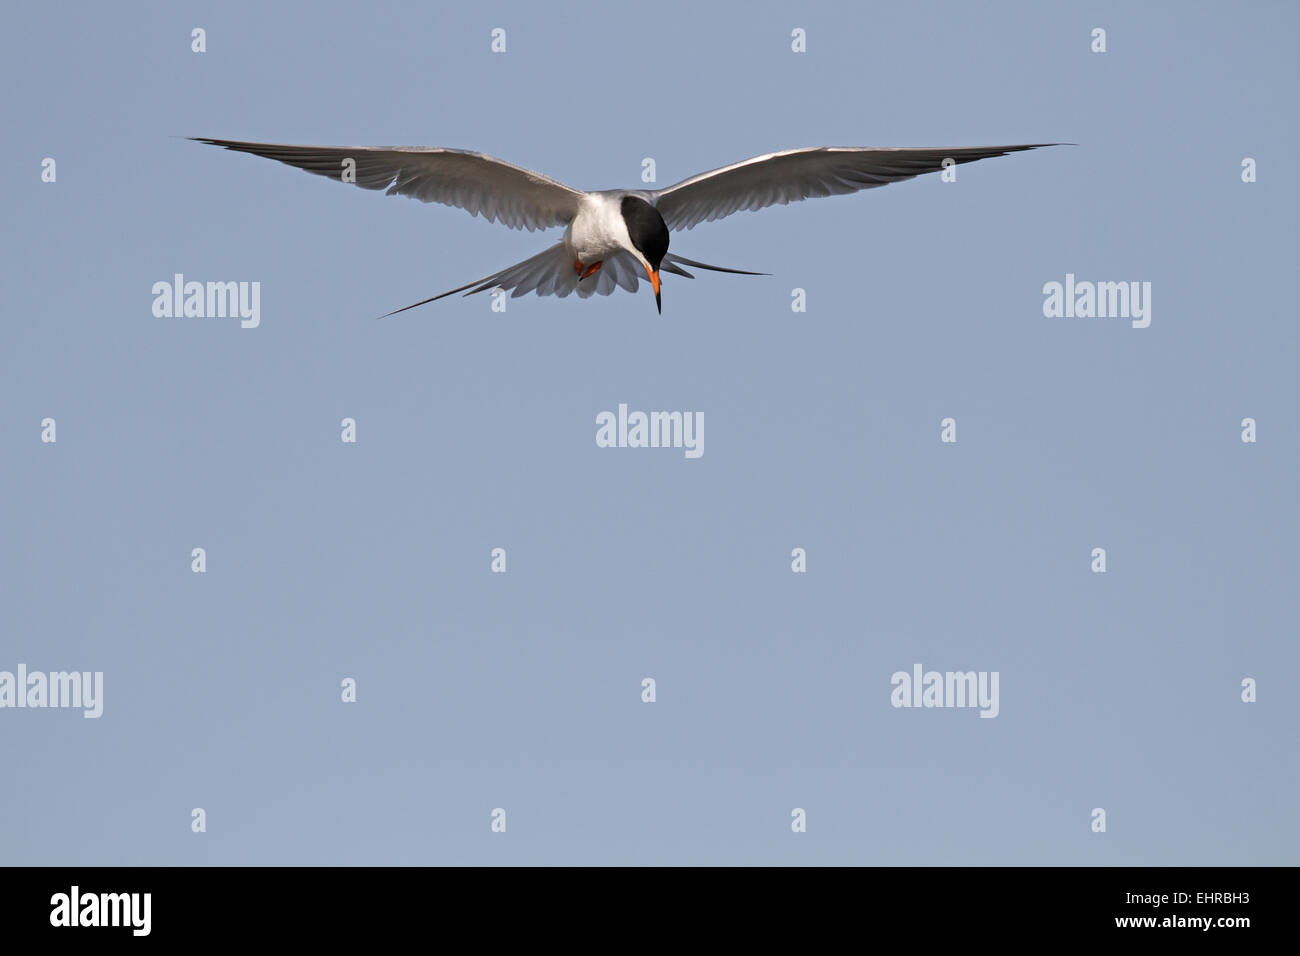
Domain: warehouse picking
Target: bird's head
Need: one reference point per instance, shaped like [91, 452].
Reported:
[649, 235]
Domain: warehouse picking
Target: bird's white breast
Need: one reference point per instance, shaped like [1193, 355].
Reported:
[598, 230]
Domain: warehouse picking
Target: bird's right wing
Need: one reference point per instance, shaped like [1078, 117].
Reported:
[478, 183]
[795, 174]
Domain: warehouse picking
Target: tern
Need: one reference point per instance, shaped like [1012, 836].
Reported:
[611, 236]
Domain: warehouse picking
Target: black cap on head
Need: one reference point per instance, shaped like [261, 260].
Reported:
[646, 229]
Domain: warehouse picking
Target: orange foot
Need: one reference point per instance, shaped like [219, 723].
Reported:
[590, 269]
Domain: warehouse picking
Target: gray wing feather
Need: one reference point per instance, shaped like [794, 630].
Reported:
[480, 184]
[797, 174]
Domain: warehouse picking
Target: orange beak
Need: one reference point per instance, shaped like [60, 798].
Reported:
[654, 284]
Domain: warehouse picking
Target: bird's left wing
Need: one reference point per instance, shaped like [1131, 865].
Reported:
[478, 183]
[795, 174]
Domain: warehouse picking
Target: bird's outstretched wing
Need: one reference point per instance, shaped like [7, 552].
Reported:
[480, 184]
[551, 273]
[795, 174]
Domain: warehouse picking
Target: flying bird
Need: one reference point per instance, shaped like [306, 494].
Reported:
[611, 236]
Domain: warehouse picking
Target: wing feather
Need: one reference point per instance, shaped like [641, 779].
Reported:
[480, 184]
[797, 174]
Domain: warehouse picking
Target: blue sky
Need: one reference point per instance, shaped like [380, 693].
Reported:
[476, 430]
